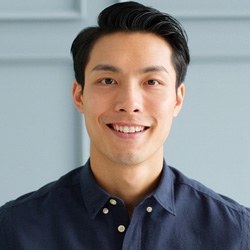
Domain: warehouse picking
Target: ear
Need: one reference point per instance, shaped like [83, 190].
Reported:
[179, 99]
[77, 95]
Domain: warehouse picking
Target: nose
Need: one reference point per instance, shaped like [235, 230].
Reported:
[129, 99]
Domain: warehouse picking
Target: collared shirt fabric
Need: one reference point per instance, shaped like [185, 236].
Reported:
[74, 213]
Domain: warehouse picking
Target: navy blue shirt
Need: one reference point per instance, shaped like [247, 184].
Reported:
[74, 213]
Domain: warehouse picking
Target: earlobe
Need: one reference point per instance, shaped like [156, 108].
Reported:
[179, 99]
[77, 95]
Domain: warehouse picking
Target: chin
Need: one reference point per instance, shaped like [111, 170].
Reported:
[127, 159]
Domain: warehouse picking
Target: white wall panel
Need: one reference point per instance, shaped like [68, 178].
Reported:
[40, 40]
[39, 125]
[218, 39]
[210, 139]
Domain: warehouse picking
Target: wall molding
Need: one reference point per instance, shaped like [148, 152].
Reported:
[76, 13]
[35, 58]
[27, 16]
[228, 59]
[212, 16]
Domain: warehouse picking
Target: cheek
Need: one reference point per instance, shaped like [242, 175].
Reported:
[93, 104]
[163, 108]
[96, 109]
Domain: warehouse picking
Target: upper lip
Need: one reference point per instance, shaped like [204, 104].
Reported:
[123, 124]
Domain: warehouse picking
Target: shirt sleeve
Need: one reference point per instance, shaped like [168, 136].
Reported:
[246, 223]
[5, 225]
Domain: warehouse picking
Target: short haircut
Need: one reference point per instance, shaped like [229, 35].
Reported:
[132, 17]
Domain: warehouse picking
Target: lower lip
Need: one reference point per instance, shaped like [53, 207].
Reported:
[127, 135]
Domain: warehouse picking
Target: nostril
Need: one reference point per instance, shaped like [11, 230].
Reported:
[124, 110]
[128, 107]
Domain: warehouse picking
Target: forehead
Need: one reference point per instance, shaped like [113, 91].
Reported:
[131, 49]
[128, 40]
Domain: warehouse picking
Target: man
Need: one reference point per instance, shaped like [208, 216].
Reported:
[129, 85]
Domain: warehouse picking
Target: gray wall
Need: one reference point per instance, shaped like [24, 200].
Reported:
[41, 132]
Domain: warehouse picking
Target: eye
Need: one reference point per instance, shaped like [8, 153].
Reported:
[152, 82]
[108, 81]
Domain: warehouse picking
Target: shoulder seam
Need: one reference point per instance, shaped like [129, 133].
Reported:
[16, 203]
[7, 227]
[239, 210]
[245, 222]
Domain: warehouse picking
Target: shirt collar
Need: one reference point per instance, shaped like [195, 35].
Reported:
[95, 197]
[164, 193]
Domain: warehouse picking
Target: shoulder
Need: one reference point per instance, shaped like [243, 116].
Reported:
[204, 195]
[202, 207]
[23, 215]
[44, 194]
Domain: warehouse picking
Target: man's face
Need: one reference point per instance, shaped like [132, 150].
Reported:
[129, 98]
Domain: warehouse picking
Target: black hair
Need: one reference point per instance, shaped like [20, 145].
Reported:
[132, 17]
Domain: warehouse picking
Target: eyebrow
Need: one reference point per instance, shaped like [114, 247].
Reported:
[111, 68]
[154, 68]
[106, 67]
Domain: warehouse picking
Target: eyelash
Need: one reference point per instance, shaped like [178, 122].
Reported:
[152, 80]
[103, 81]
[112, 81]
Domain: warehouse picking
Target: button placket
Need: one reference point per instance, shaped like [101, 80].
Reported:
[117, 212]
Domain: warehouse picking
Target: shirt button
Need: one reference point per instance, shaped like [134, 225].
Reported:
[105, 210]
[113, 202]
[121, 228]
[149, 209]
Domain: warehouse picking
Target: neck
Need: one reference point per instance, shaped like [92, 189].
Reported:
[131, 183]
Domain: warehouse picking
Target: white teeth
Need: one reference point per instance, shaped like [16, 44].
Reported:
[128, 129]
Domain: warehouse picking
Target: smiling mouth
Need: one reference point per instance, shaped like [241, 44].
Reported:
[127, 129]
